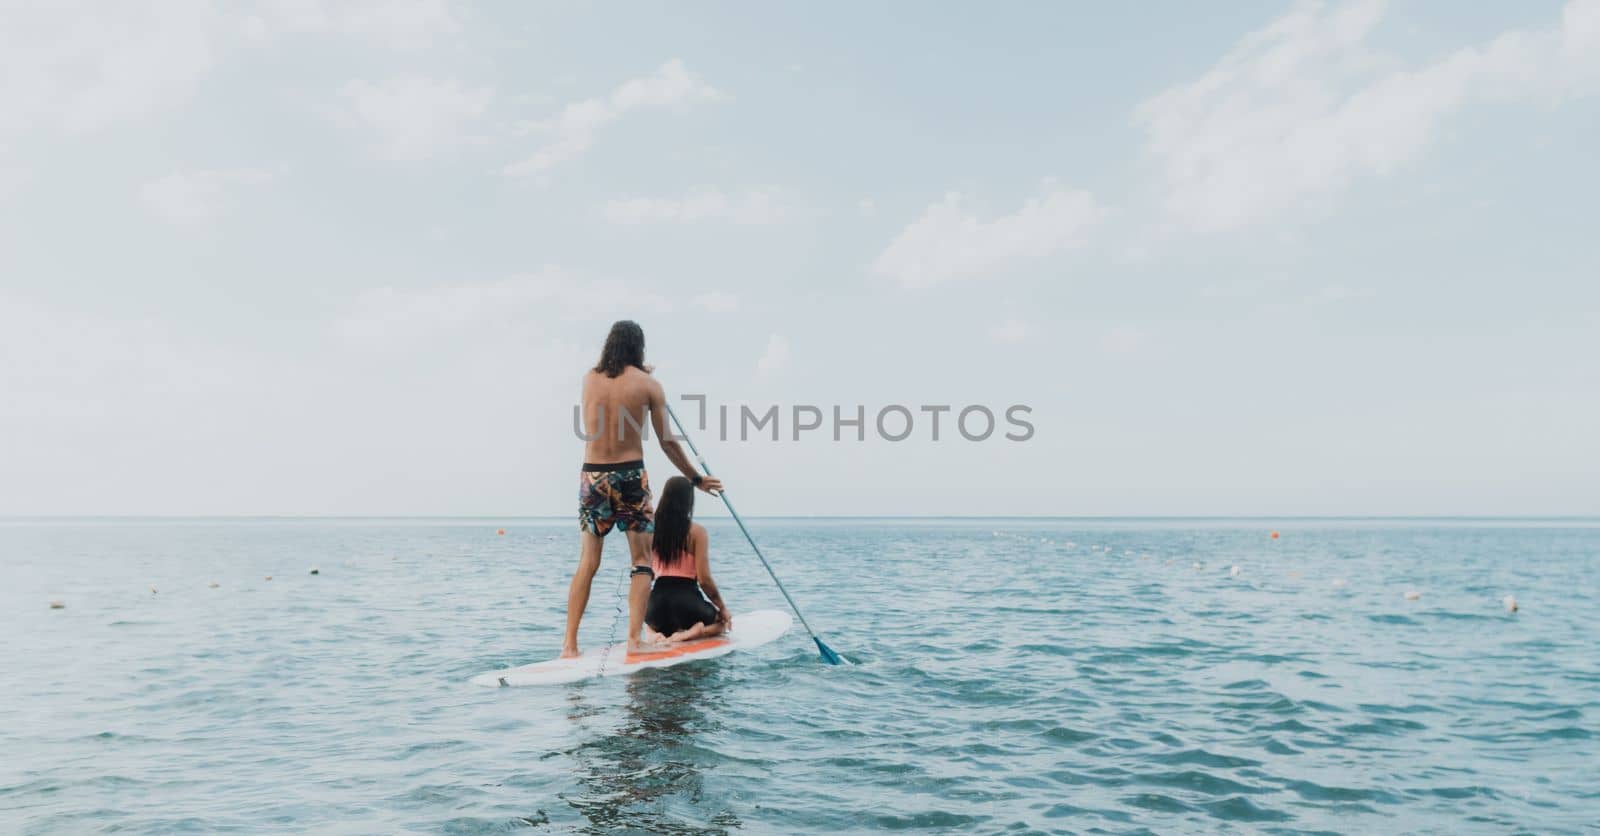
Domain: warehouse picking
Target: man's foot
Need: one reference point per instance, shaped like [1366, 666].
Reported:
[570, 652]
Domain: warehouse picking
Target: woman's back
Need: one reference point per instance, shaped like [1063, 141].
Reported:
[683, 567]
[684, 601]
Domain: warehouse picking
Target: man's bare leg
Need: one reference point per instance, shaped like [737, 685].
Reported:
[638, 589]
[578, 593]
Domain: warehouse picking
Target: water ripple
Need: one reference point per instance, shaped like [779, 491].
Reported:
[1035, 685]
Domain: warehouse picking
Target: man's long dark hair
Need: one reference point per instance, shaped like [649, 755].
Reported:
[674, 516]
[624, 348]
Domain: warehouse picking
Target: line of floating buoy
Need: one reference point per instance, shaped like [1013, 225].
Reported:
[500, 532]
[1509, 602]
[315, 571]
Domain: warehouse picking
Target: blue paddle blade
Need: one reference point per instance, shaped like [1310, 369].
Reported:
[828, 654]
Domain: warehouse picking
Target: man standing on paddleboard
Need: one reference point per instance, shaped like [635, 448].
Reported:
[620, 400]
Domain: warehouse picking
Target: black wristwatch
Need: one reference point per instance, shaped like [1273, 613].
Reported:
[697, 479]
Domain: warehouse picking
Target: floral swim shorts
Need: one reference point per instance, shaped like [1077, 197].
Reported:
[614, 495]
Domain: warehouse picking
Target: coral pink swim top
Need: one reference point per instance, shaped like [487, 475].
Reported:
[684, 568]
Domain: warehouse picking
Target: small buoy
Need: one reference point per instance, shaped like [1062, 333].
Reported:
[1274, 535]
[269, 577]
[214, 584]
[152, 590]
[57, 605]
[500, 531]
[1511, 603]
[315, 571]
[1234, 571]
[1197, 564]
[1412, 595]
[1338, 583]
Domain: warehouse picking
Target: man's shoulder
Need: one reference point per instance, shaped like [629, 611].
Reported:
[636, 373]
[642, 379]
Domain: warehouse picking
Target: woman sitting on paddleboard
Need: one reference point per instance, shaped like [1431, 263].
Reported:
[684, 602]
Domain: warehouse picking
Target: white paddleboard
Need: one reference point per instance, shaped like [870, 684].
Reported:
[752, 629]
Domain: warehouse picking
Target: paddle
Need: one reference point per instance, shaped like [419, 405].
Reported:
[829, 655]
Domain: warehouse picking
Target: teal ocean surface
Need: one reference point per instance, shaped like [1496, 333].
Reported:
[1027, 676]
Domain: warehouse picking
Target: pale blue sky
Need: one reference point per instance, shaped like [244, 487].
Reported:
[351, 258]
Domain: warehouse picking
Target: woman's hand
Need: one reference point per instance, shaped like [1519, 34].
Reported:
[726, 617]
[710, 484]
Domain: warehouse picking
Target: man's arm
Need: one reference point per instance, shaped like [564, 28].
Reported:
[670, 445]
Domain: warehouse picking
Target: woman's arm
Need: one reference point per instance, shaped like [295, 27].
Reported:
[702, 570]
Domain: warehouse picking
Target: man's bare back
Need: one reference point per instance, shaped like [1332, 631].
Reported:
[615, 414]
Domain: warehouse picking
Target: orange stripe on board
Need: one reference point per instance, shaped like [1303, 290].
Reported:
[672, 652]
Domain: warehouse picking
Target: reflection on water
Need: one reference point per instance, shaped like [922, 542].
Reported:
[648, 774]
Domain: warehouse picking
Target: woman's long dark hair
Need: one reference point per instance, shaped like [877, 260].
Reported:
[624, 348]
[673, 517]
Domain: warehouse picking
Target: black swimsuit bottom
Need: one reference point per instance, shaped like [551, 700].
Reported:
[677, 604]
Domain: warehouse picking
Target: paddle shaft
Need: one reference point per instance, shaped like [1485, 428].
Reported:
[725, 501]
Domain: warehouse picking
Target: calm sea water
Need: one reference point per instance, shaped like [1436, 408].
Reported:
[1018, 676]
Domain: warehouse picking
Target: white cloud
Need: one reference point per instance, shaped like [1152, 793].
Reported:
[189, 198]
[12, 175]
[1123, 340]
[388, 315]
[705, 204]
[775, 358]
[1299, 109]
[1333, 294]
[416, 118]
[951, 242]
[60, 363]
[401, 24]
[716, 301]
[573, 131]
[1010, 332]
[82, 66]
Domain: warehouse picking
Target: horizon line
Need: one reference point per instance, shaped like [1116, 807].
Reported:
[1040, 517]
